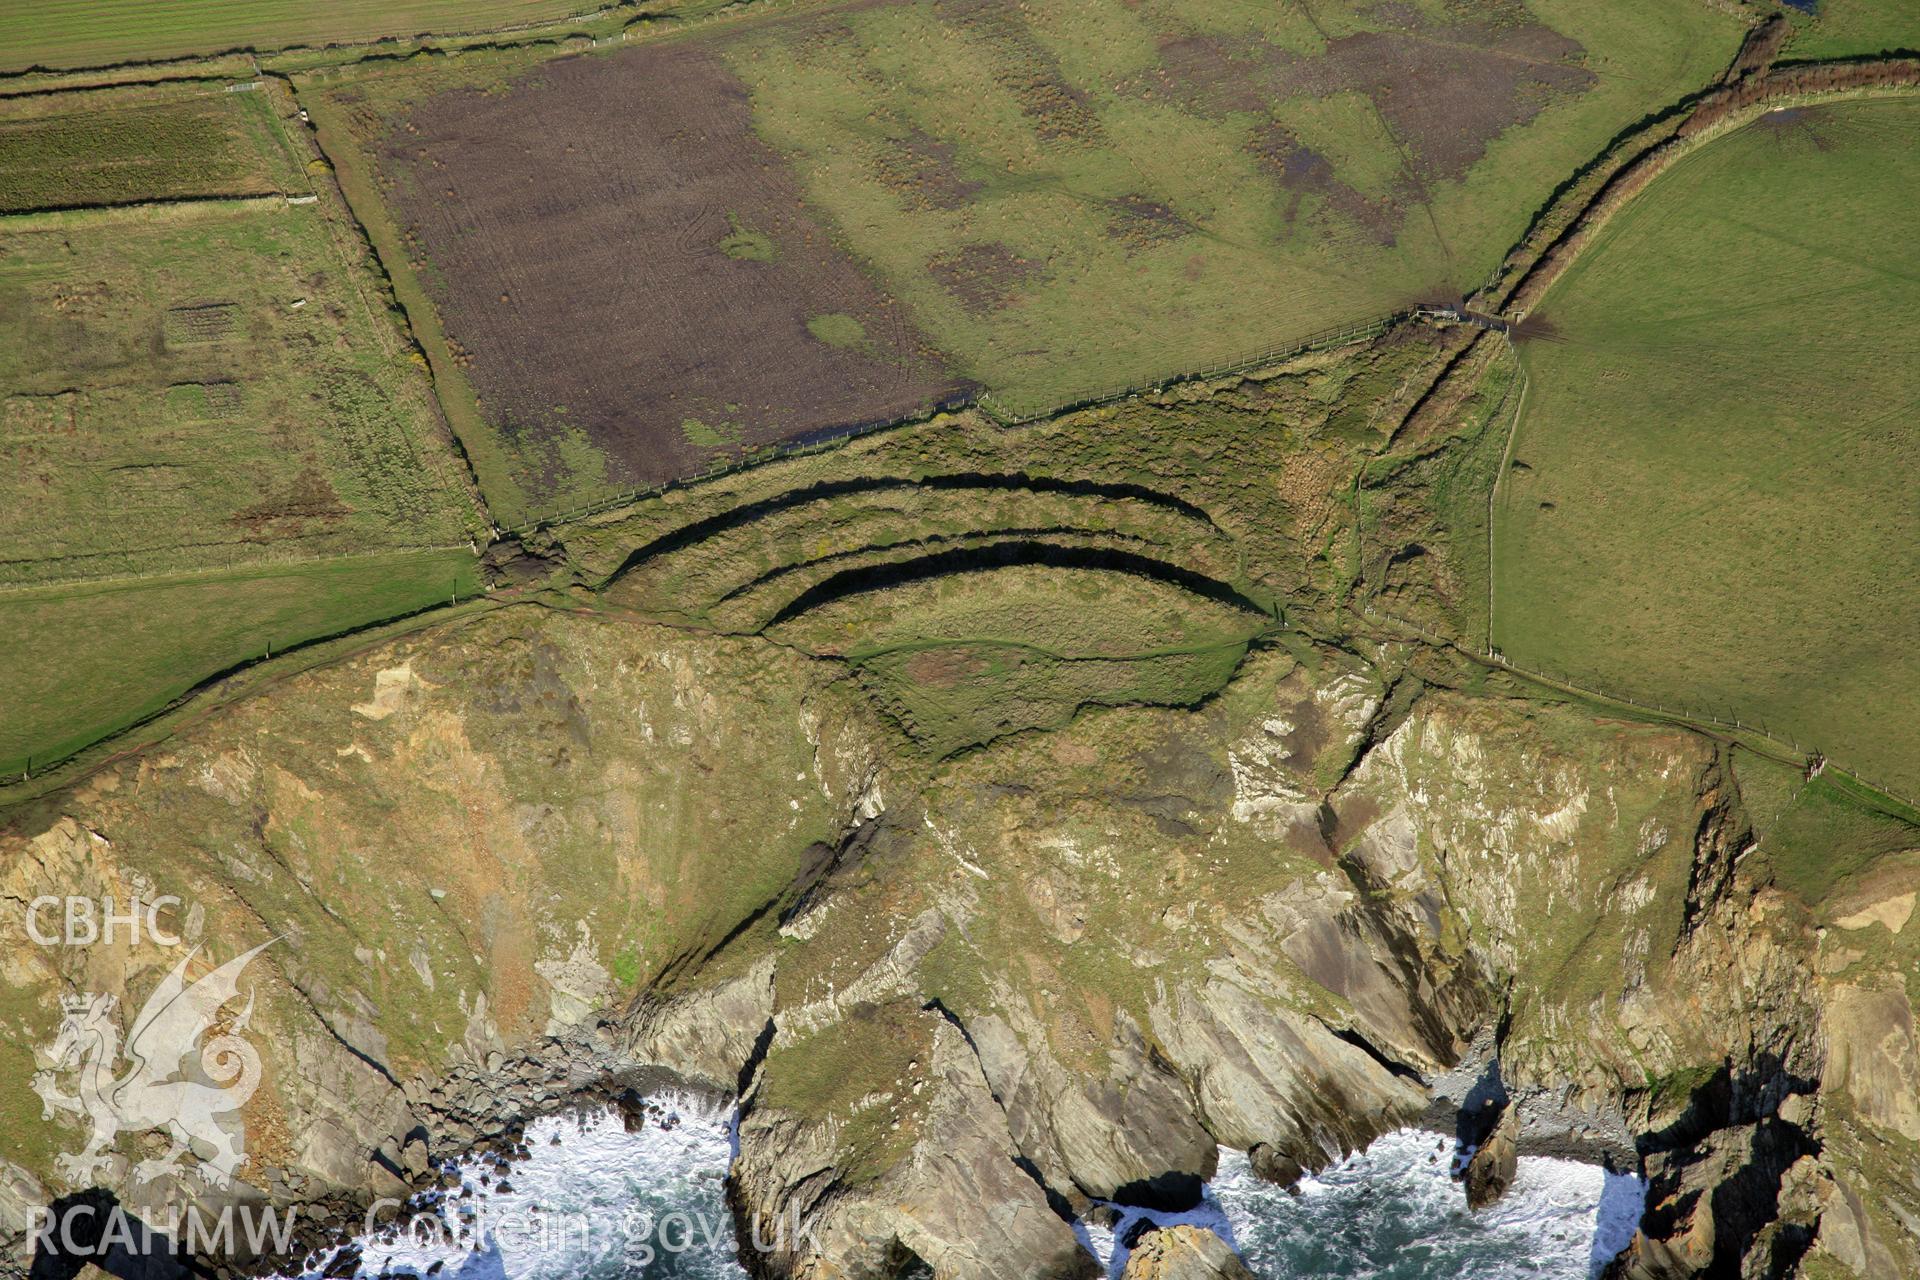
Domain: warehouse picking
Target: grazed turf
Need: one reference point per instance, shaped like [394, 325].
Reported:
[1711, 503]
[121, 145]
[216, 438]
[1074, 196]
[86, 660]
[200, 386]
[1852, 28]
[90, 33]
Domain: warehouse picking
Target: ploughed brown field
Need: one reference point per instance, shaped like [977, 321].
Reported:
[621, 263]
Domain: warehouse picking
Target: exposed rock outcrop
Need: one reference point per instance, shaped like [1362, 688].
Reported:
[1491, 1168]
[1182, 1252]
[959, 1006]
[957, 1199]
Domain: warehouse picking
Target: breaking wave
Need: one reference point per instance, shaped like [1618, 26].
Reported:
[1395, 1212]
[596, 1199]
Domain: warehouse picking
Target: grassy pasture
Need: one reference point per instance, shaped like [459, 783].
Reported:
[217, 439]
[1046, 200]
[114, 146]
[1711, 503]
[964, 658]
[1851, 28]
[90, 33]
[203, 385]
[1074, 196]
[85, 660]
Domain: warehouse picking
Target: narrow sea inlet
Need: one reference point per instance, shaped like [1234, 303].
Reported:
[600, 1199]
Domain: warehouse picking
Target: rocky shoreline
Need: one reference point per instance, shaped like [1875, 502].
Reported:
[485, 1115]
[1470, 1100]
[976, 1007]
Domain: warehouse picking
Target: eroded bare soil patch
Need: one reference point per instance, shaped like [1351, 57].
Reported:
[626, 266]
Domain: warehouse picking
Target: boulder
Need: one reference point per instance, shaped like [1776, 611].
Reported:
[1184, 1252]
[1490, 1172]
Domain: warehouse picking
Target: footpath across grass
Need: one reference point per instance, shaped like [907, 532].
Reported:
[1710, 503]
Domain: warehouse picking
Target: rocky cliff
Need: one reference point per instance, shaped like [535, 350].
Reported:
[549, 856]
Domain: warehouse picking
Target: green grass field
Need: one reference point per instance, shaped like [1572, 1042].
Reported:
[1711, 503]
[1818, 834]
[1852, 28]
[202, 385]
[118, 145]
[202, 404]
[91, 33]
[1073, 197]
[88, 659]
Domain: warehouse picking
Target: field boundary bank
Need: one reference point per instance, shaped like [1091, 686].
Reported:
[214, 693]
[425, 615]
[204, 78]
[373, 43]
[479, 453]
[1725, 109]
[352, 182]
[614, 23]
[212, 70]
[1714, 115]
[355, 254]
[1785, 750]
[258, 564]
[56, 216]
[832, 438]
[1323, 340]
[77, 745]
[374, 285]
[1717, 114]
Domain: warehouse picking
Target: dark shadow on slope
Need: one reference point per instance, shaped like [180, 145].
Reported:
[852, 582]
[749, 513]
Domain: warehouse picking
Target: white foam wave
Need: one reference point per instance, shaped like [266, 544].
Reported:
[1395, 1212]
[592, 1201]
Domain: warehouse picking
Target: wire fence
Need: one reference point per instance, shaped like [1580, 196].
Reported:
[1505, 464]
[996, 408]
[1810, 758]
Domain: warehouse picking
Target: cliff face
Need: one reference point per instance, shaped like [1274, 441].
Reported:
[458, 851]
[547, 856]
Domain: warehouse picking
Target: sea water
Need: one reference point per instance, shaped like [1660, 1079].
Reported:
[598, 1201]
[594, 1199]
[1393, 1212]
